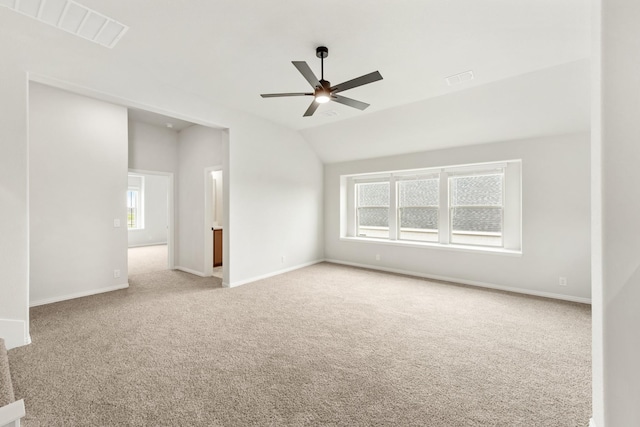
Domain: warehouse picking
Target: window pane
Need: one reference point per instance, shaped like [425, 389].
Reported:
[418, 209]
[373, 209]
[477, 209]
[132, 211]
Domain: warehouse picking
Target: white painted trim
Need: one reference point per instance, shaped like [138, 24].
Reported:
[430, 245]
[25, 308]
[190, 271]
[10, 414]
[147, 244]
[14, 333]
[274, 273]
[466, 282]
[78, 295]
[592, 423]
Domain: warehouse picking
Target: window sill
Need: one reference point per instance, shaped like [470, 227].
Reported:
[427, 245]
[135, 229]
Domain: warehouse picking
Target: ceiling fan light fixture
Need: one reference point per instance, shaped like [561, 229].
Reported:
[323, 98]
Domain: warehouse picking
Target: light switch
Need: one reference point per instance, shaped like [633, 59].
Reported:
[116, 222]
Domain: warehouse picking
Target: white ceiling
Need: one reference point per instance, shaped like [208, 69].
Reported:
[228, 52]
[157, 119]
[553, 101]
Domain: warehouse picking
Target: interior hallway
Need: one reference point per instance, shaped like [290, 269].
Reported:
[148, 259]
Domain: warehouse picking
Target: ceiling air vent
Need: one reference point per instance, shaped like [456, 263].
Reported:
[459, 78]
[71, 17]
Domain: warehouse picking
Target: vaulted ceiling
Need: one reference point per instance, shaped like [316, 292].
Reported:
[228, 52]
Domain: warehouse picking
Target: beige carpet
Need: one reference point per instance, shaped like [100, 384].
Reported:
[217, 272]
[6, 388]
[324, 345]
[147, 259]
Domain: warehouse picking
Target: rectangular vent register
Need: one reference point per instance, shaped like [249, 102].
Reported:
[73, 18]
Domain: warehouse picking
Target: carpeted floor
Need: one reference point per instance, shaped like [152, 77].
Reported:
[6, 388]
[324, 345]
[147, 259]
[217, 272]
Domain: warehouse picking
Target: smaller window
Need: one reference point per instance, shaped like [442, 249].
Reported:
[133, 209]
[135, 202]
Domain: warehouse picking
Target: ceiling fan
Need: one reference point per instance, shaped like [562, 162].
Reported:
[322, 89]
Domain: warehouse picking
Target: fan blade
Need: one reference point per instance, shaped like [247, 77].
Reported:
[312, 109]
[306, 72]
[358, 81]
[277, 95]
[350, 102]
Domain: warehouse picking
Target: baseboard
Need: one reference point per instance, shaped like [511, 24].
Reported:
[11, 413]
[190, 271]
[147, 244]
[466, 282]
[14, 333]
[78, 295]
[274, 273]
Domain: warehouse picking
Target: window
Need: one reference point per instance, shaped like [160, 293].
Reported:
[476, 209]
[135, 194]
[373, 209]
[471, 206]
[133, 209]
[418, 208]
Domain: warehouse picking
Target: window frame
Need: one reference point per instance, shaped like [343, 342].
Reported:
[357, 206]
[511, 206]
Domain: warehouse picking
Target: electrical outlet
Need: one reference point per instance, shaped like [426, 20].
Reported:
[116, 222]
[282, 259]
[562, 281]
[116, 274]
[377, 257]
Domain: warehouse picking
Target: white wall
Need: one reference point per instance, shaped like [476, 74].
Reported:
[77, 185]
[199, 148]
[14, 304]
[276, 202]
[555, 224]
[616, 344]
[156, 218]
[597, 300]
[152, 148]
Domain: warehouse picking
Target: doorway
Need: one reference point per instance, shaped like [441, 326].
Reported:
[214, 225]
[149, 221]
